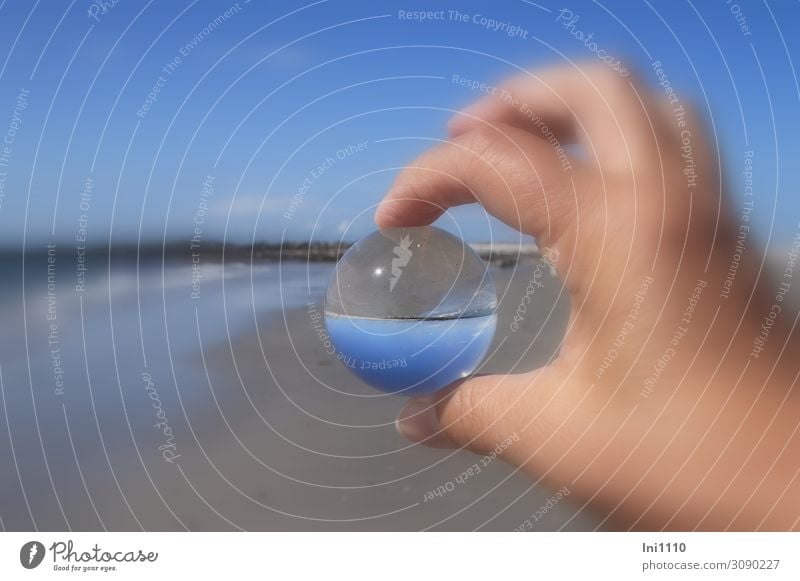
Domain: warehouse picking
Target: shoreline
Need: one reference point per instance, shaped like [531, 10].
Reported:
[497, 254]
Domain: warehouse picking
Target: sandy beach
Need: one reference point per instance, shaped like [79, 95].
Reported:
[331, 456]
[227, 412]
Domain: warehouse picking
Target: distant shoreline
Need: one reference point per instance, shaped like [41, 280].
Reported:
[498, 254]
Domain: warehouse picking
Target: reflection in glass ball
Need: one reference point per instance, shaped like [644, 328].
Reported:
[410, 310]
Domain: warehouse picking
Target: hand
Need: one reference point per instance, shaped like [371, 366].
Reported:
[657, 413]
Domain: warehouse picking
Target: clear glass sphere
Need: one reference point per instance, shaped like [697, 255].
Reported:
[410, 310]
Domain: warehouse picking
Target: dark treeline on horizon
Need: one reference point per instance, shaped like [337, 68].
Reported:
[214, 250]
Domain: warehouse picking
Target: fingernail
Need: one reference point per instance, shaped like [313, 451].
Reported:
[419, 423]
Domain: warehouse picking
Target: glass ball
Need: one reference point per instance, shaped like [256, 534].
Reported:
[411, 310]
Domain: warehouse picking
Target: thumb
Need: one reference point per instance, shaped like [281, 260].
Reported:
[475, 413]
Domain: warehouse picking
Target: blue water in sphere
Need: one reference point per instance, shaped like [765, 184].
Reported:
[411, 310]
[411, 356]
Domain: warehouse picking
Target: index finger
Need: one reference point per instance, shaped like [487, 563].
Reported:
[515, 176]
[611, 115]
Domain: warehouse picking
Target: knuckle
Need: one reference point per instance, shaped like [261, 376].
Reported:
[487, 145]
[477, 142]
[614, 87]
[408, 179]
[478, 151]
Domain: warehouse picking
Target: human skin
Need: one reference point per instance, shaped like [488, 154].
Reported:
[711, 440]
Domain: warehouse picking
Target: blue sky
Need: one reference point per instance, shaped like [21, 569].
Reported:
[274, 89]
